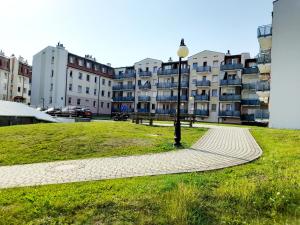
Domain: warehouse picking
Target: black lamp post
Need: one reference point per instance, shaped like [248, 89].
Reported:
[182, 52]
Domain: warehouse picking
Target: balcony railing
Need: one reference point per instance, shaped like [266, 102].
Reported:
[123, 99]
[145, 86]
[165, 111]
[202, 83]
[263, 86]
[164, 85]
[128, 110]
[170, 98]
[232, 66]
[248, 117]
[262, 114]
[203, 69]
[144, 98]
[231, 82]
[230, 98]
[250, 70]
[183, 84]
[264, 31]
[264, 58]
[145, 73]
[143, 110]
[201, 98]
[201, 112]
[168, 72]
[125, 75]
[229, 113]
[250, 102]
[123, 87]
[251, 86]
[172, 85]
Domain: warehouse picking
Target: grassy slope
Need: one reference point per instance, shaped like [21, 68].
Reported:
[48, 142]
[263, 192]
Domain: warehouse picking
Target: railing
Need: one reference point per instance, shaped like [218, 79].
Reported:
[247, 117]
[202, 69]
[251, 86]
[172, 71]
[128, 110]
[143, 110]
[264, 58]
[232, 66]
[201, 112]
[230, 97]
[230, 82]
[171, 98]
[164, 85]
[252, 102]
[263, 86]
[264, 31]
[201, 97]
[144, 98]
[123, 99]
[250, 70]
[145, 86]
[183, 84]
[145, 73]
[125, 75]
[165, 111]
[123, 87]
[202, 83]
[262, 114]
[229, 113]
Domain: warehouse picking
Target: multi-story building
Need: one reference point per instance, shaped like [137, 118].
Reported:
[64, 79]
[15, 79]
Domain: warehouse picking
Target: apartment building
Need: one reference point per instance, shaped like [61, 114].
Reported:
[61, 78]
[15, 79]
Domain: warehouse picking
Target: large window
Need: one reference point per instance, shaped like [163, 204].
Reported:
[80, 76]
[87, 90]
[87, 77]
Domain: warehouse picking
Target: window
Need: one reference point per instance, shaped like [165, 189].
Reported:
[71, 59]
[213, 107]
[71, 74]
[194, 93]
[24, 90]
[215, 63]
[70, 87]
[109, 83]
[96, 67]
[95, 79]
[102, 93]
[80, 76]
[102, 104]
[139, 82]
[108, 105]
[95, 91]
[215, 78]
[29, 92]
[50, 100]
[214, 92]
[103, 81]
[51, 87]
[52, 60]
[153, 106]
[79, 89]
[87, 90]
[104, 70]
[78, 101]
[69, 100]
[88, 65]
[80, 62]
[154, 69]
[19, 89]
[87, 77]
[52, 73]
[234, 61]
[108, 94]
[195, 65]
[94, 103]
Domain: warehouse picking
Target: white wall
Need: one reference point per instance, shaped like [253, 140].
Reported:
[285, 72]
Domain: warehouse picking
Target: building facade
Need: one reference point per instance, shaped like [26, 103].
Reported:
[15, 79]
[63, 79]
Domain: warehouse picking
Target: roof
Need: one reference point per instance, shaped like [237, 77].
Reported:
[21, 110]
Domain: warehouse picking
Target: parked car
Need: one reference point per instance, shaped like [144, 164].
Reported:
[52, 111]
[120, 117]
[77, 111]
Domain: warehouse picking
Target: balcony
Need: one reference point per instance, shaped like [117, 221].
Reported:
[264, 35]
[251, 86]
[264, 63]
[202, 83]
[144, 98]
[183, 84]
[123, 99]
[169, 72]
[128, 75]
[145, 73]
[201, 98]
[201, 112]
[203, 69]
[263, 89]
[127, 110]
[248, 117]
[165, 111]
[261, 115]
[250, 102]
[250, 70]
[230, 98]
[143, 111]
[123, 87]
[231, 82]
[232, 66]
[230, 113]
[164, 85]
[170, 98]
[145, 86]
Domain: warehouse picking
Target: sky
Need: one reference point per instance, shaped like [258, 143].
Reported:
[122, 32]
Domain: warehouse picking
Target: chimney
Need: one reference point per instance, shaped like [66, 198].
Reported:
[108, 64]
[170, 59]
[228, 52]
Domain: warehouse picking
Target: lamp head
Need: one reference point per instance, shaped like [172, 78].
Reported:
[182, 51]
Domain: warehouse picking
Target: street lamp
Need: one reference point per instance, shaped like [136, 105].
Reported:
[182, 52]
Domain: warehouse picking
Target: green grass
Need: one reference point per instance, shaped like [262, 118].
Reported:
[265, 191]
[49, 142]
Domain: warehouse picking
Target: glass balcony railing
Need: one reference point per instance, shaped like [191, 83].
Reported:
[262, 114]
[125, 75]
[145, 73]
[183, 84]
[263, 86]
[201, 112]
[201, 97]
[229, 113]
[251, 86]
[123, 87]
[171, 98]
[164, 85]
[172, 71]
[232, 66]
[203, 69]
[250, 102]
[144, 98]
[202, 83]
[166, 111]
[264, 31]
[123, 99]
[250, 70]
[231, 82]
[264, 58]
[230, 97]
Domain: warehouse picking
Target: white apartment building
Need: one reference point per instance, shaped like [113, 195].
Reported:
[15, 79]
[285, 80]
[64, 79]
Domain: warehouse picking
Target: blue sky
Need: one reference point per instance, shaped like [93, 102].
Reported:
[122, 32]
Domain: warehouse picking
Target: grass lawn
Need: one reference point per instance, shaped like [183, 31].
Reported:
[49, 142]
[265, 191]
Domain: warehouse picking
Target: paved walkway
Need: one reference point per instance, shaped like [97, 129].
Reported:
[220, 147]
